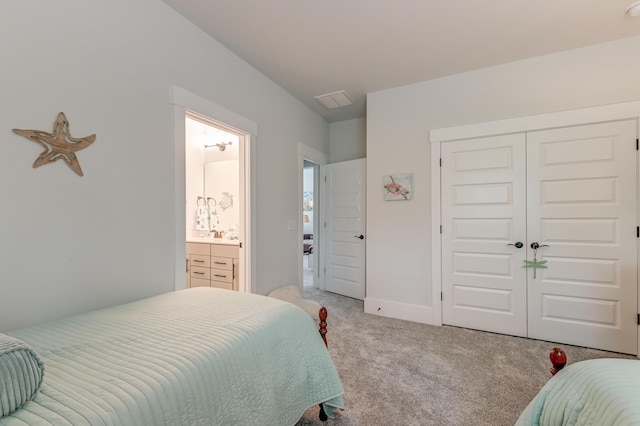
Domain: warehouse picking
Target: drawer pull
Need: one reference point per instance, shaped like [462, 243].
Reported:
[219, 276]
[220, 263]
[199, 261]
[198, 273]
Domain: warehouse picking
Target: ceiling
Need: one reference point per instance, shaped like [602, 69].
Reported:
[316, 47]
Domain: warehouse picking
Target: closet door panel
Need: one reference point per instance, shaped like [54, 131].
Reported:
[581, 196]
[483, 210]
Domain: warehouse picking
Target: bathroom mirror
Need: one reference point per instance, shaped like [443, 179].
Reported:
[222, 185]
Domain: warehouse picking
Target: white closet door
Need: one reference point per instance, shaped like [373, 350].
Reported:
[582, 203]
[483, 210]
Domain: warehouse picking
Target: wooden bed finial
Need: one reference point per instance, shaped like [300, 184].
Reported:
[322, 314]
[558, 359]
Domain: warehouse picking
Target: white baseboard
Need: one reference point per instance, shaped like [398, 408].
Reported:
[403, 311]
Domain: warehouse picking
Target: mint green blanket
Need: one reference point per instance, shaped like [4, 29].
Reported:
[201, 356]
[599, 392]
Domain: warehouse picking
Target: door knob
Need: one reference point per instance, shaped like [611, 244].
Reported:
[359, 236]
[518, 244]
[535, 245]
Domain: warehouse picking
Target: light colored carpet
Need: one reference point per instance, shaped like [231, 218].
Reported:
[402, 373]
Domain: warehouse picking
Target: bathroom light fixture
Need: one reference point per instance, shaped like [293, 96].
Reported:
[221, 146]
[334, 100]
[634, 9]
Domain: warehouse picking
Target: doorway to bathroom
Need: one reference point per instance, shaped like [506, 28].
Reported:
[213, 229]
[213, 203]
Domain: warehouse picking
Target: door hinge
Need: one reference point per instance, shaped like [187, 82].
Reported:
[637, 231]
[325, 178]
[637, 143]
[638, 319]
[441, 229]
[442, 297]
[441, 162]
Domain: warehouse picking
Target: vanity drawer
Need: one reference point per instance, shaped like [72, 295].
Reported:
[199, 248]
[224, 275]
[198, 282]
[222, 263]
[199, 272]
[200, 260]
[224, 250]
[220, 284]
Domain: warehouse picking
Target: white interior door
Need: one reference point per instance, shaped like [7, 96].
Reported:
[483, 210]
[344, 227]
[582, 204]
[581, 207]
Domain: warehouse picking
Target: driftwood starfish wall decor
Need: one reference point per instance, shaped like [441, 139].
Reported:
[58, 144]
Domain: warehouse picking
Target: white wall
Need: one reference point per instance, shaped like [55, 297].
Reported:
[398, 124]
[348, 140]
[73, 244]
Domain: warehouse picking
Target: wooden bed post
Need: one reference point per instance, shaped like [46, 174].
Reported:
[322, 314]
[558, 359]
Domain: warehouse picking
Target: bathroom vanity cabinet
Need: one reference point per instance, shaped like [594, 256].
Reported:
[212, 265]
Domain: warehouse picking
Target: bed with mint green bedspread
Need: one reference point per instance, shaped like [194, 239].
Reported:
[598, 392]
[200, 356]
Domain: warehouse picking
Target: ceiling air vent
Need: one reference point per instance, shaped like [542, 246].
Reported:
[334, 100]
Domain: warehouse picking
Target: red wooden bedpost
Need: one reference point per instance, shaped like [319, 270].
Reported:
[323, 324]
[558, 360]
[322, 314]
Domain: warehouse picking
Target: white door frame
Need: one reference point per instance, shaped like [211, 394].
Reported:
[184, 101]
[307, 153]
[613, 112]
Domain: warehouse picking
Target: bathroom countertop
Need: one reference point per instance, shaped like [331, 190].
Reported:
[214, 241]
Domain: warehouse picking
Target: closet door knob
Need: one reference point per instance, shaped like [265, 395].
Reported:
[359, 236]
[535, 245]
[518, 244]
